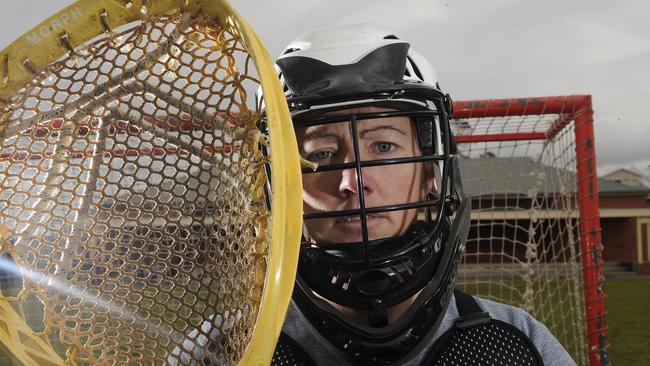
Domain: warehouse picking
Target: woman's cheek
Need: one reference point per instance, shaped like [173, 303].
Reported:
[401, 183]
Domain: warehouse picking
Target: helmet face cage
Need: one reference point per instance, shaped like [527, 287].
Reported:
[439, 156]
[375, 273]
[358, 164]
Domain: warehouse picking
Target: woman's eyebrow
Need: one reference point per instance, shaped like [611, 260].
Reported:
[318, 135]
[324, 134]
[378, 128]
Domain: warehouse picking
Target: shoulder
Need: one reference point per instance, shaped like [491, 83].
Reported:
[552, 352]
[298, 328]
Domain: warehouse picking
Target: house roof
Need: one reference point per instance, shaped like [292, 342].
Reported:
[516, 176]
[610, 186]
[624, 170]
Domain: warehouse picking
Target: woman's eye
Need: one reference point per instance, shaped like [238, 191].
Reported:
[320, 155]
[384, 147]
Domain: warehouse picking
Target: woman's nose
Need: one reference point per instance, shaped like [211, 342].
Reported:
[349, 179]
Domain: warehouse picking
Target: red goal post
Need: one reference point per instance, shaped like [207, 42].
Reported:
[529, 165]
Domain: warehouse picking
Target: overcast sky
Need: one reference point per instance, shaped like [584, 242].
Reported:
[484, 49]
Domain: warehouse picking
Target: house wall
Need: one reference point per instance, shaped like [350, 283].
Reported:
[619, 237]
[491, 242]
[623, 201]
[505, 241]
[495, 241]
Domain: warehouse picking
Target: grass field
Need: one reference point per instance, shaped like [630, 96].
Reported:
[628, 320]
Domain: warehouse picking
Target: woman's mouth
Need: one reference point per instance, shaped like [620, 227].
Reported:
[356, 220]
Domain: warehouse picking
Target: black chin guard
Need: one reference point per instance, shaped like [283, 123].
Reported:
[395, 343]
[389, 280]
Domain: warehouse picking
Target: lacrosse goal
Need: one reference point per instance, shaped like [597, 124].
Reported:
[529, 167]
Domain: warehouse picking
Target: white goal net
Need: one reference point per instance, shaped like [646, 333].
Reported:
[520, 167]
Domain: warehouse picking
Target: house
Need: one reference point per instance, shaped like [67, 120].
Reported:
[625, 223]
[625, 176]
[524, 209]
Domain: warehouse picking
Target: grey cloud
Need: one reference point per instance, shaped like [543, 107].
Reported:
[488, 49]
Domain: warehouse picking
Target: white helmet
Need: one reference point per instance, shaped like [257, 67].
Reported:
[351, 43]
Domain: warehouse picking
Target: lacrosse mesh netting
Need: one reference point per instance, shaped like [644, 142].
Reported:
[133, 198]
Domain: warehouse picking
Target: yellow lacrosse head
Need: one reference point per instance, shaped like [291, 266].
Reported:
[148, 214]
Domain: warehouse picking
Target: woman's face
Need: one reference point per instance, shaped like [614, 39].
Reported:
[380, 138]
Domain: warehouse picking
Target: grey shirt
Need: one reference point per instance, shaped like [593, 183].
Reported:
[552, 352]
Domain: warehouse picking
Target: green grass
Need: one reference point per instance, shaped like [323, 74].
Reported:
[628, 320]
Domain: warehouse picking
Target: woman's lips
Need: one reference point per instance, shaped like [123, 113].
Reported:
[355, 221]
